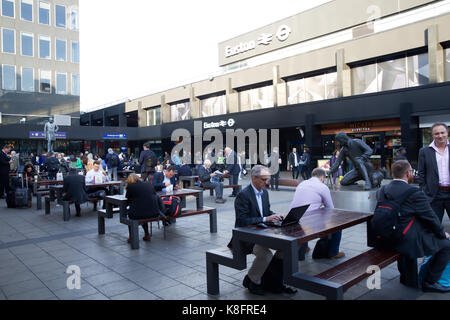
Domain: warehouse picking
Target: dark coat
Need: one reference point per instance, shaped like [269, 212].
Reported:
[306, 159]
[423, 236]
[4, 163]
[185, 170]
[232, 165]
[292, 160]
[51, 164]
[204, 174]
[158, 179]
[143, 201]
[247, 210]
[108, 160]
[75, 188]
[143, 156]
[428, 171]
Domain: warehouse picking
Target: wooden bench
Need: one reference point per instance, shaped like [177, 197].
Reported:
[66, 206]
[288, 182]
[134, 224]
[39, 195]
[211, 190]
[342, 276]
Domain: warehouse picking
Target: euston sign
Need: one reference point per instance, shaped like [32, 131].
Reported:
[114, 136]
[264, 39]
[221, 123]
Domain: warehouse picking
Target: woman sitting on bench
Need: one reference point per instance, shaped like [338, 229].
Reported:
[144, 203]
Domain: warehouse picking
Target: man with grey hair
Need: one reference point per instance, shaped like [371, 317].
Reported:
[252, 207]
[112, 162]
[205, 176]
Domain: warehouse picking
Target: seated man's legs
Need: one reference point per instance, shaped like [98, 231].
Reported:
[335, 241]
[438, 262]
[218, 187]
[262, 260]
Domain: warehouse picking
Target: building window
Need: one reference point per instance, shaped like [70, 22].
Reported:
[447, 64]
[27, 79]
[9, 77]
[180, 111]
[8, 8]
[74, 19]
[364, 79]
[26, 10]
[8, 41]
[44, 12]
[44, 47]
[258, 98]
[214, 106]
[296, 91]
[331, 88]
[418, 70]
[27, 44]
[61, 83]
[315, 88]
[60, 16]
[75, 84]
[45, 81]
[61, 49]
[391, 74]
[154, 116]
[75, 52]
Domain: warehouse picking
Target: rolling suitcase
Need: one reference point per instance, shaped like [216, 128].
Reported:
[19, 196]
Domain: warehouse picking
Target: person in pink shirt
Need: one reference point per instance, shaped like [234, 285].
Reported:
[315, 193]
[434, 170]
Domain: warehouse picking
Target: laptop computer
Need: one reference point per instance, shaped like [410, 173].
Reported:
[294, 215]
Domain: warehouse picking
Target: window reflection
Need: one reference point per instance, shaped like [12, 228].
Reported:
[8, 42]
[9, 77]
[213, 106]
[45, 81]
[331, 88]
[154, 116]
[27, 79]
[180, 111]
[418, 70]
[258, 98]
[61, 83]
[27, 44]
[8, 8]
[315, 88]
[296, 91]
[392, 74]
[60, 16]
[44, 12]
[75, 84]
[26, 10]
[364, 79]
[447, 64]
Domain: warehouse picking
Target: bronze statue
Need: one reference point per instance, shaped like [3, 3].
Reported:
[359, 154]
[50, 130]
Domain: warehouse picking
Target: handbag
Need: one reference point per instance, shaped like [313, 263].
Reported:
[321, 249]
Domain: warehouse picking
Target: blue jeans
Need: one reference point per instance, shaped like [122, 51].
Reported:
[335, 241]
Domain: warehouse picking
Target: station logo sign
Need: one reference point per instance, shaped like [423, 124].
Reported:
[221, 124]
[115, 136]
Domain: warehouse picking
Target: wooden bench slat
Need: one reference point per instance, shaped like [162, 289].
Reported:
[288, 182]
[354, 270]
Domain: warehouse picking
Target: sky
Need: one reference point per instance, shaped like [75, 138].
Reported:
[132, 48]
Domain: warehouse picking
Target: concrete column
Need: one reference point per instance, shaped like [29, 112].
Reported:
[435, 55]
[195, 104]
[165, 110]
[232, 98]
[142, 117]
[313, 139]
[344, 83]
[410, 133]
[279, 88]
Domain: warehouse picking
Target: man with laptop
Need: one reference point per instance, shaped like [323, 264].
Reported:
[315, 193]
[252, 207]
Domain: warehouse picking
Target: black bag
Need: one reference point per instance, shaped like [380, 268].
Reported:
[321, 249]
[172, 204]
[272, 279]
[18, 196]
[114, 161]
[384, 226]
[150, 160]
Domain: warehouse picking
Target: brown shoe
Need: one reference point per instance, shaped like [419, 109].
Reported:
[146, 237]
[338, 256]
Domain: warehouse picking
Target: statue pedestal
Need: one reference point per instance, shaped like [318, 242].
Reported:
[354, 198]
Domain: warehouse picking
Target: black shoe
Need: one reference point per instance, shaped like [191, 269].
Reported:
[288, 290]
[220, 200]
[78, 214]
[252, 287]
[232, 196]
[435, 287]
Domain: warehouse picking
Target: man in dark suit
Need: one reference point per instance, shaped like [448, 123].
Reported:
[147, 160]
[161, 180]
[232, 168]
[51, 166]
[423, 235]
[401, 155]
[4, 170]
[205, 175]
[434, 170]
[305, 163]
[252, 207]
[294, 161]
[75, 189]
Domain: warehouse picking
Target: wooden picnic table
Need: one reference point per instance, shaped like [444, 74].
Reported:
[315, 225]
[56, 189]
[191, 179]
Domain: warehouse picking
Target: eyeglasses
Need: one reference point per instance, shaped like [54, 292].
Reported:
[264, 179]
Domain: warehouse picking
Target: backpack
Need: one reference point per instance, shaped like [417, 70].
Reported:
[150, 160]
[384, 226]
[113, 161]
[321, 249]
[272, 279]
[172, 204]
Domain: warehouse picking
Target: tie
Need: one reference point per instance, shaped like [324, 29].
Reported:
[259, 200]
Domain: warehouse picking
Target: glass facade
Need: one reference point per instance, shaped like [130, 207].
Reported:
[315, 88]
[75, 52]
[213, 106]
[60, 16]
[45, 81]
[27, 79]
[154, 116]
[61, 49]
[27, 44]
[258, 98]
[61, 83]
[44, 12]
[8, 40]
[44, 47]
[296, 91]
[392, 74]
[9, 77]
[447, 64]
[26, 10]
[331, 86]
[75, 84]
[364, 79]
[180, 111]
[8, 8]
[418, 70]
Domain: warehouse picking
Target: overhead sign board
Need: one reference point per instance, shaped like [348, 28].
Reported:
[115, 136]
[41, 135]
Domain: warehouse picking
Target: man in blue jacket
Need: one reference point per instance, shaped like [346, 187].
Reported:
[232, 168]
[161, 180]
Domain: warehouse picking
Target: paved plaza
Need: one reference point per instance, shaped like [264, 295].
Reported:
[36, 249]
